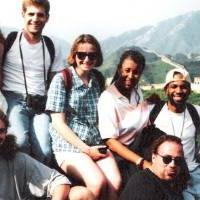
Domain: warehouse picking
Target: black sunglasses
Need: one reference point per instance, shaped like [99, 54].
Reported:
[82, 55]
[3, 130]
[168, 159]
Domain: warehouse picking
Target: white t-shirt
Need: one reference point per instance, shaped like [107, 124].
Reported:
[119, 118]
[34, 69]
[175, 124]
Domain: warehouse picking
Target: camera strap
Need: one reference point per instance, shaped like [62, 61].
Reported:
[23, 67]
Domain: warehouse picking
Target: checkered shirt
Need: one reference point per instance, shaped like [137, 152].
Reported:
[80, 106]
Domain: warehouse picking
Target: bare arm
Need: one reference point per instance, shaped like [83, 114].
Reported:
[124, 152]
[58, 122]
[61, 192]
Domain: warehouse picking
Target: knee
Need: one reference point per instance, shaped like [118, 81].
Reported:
[80, 193]
[116, 182]
[97, 186]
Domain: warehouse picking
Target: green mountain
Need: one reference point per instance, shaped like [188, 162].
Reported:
[154, 72]
[175, 35]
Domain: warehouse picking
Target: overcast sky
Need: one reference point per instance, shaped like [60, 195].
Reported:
[103, 18]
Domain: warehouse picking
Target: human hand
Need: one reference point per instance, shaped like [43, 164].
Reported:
[97, 152]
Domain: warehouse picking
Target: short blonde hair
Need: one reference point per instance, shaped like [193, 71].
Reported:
[38, 3]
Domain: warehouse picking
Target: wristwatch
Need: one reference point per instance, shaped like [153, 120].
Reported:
[140, 163]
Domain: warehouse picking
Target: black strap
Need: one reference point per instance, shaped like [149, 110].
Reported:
[23, 67]
[50, 47]
[11, 37]
[196, 120]
[9, 42]
[191, 109]
[155, 111]
[195, 116]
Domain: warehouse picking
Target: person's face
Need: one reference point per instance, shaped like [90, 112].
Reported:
[3, 131]
[129, 74]
[35, 19]
[178, 92]
[159, 160]
[86, 56]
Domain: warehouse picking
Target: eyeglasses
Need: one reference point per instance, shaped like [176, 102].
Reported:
[168, 159]
[82, 55]
[3, 130]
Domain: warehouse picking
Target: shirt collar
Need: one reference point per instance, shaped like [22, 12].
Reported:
[77, 82]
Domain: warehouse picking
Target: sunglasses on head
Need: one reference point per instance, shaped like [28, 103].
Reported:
[168, 159]
[82, 55]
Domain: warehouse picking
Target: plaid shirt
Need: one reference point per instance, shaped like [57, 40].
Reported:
[80, 106]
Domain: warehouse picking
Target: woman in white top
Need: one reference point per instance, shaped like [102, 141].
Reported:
[122, 112]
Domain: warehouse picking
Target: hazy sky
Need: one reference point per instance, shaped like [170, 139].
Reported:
[103, 18]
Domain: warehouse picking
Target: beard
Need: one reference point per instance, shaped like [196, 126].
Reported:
[8, 148]
[178, 104]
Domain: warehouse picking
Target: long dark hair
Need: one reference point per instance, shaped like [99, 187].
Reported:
[136, 56]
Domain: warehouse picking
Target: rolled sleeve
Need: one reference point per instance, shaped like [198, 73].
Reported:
[42, 180]
[56, 100]
[56, 180]
[108, 123]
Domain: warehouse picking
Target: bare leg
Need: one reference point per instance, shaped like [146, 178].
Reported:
[109, 167]
[80, 193]
[82, 167]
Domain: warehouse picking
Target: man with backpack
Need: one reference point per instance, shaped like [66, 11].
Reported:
[29, 63]
[179, 118]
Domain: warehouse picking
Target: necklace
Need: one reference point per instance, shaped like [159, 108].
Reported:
[172, 124]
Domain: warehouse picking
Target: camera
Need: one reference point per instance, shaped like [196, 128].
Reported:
[36, 103]
[103, 150]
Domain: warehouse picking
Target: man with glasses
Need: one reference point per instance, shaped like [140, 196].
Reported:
[158, 182]
[23, 177]
[179, 118]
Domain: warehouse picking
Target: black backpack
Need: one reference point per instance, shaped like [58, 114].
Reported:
[191, 109]
[12, 37]
[193, 113]
[49, 43]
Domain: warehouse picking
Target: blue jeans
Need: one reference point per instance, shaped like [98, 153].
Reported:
[193, 190]
[31, 130]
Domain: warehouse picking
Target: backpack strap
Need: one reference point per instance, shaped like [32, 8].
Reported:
[11, 37]
[156, 110]
[50, 47]
[67, 78]
[194, 115]
[196, 121]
